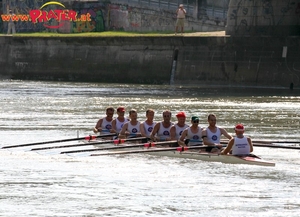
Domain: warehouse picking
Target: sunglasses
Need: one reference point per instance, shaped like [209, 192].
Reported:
[195, 121]
[166, 116]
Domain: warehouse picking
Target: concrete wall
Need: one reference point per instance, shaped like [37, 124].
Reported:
[242, 61]
[122, 15]
[263, 18]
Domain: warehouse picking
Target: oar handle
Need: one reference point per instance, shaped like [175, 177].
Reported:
[195, 140]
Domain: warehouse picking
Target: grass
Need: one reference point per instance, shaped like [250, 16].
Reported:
[102, 34]
[95, 34]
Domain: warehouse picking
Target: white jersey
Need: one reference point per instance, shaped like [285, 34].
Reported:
[120, 124]
[163, 132]
[106, 126]
[148, 128]
[133, 129]
[195, 138]
[179, 130]
[214, 137]
[240, 146]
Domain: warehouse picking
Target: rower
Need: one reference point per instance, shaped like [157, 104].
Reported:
[147, 126]
[177, 129]
[239, 145]
[104, 125]
[118, 123]
[212, 134]
[192, 135]
[131, 129]
[161, 130]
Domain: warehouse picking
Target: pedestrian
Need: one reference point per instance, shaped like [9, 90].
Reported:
[11, 25]
[180, 12]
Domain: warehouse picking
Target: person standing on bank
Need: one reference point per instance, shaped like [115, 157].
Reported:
[239, 145]
[180, 18]
[11, 25]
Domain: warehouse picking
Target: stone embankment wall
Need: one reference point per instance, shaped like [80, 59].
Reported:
[121, 15]
[263, 18]
[237, 61]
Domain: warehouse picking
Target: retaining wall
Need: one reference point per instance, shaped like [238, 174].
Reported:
[243, 61]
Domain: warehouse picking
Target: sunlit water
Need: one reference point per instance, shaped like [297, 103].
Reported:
[43, 184]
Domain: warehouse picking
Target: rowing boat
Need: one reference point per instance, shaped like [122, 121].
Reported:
[204, 156]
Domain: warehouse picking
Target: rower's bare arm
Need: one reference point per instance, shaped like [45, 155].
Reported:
[182, 137]
[113, 126]
[225, 133]
[173, 133]
[250, 143]
[228, 148]
[142, 130]
[98, 128]
[154, 131]
[205, 139]
[122, 134]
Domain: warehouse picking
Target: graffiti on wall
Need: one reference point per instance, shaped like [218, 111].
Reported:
[38, 16]
[246, 14]
[122, 17]
[97, 14]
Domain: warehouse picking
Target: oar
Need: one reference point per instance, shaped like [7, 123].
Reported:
[146, 145]
[91, 137]
[115, 141]
[267, 142]
[270, 142]
[180, 149]
[276, 146]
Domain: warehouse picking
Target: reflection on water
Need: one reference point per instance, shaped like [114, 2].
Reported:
[36, 184]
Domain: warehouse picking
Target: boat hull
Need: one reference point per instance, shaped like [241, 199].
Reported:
[216, 158]
[204, 156]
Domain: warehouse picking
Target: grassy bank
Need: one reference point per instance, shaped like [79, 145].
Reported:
[111, 34]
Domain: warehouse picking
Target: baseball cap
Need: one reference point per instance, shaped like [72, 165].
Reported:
[181, 5]
[180, 115]
[195, 118]
[121, 109]
[239, 127]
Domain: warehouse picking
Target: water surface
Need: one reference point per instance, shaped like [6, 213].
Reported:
[40, 184]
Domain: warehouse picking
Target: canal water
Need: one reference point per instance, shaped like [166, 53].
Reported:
[41, 184]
